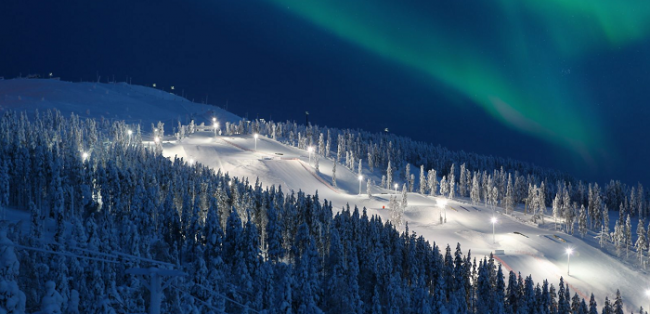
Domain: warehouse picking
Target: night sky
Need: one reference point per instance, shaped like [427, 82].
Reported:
[561, 83]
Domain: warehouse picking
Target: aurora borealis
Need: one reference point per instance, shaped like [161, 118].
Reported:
[513, 83]
[561, 83]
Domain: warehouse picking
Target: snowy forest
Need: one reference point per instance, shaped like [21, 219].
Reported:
[101, 204]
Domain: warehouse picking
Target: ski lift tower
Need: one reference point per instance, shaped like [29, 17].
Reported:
[156, 285]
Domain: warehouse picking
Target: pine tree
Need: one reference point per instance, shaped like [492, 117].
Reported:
[494, 196]
[593, 306]
[556, 208]
[641, 242]
[607, 307]
[334, 174]
[510, 200]
[12, 300]
[404, 197]
[368, 188]
[582, 221]
[462, 181]
[568, 212]
[628, 235]
[452, 187]
[423, 182]
[605, 221]
[618, 303]
[475, 192]
[389, 176]
[407, 177]
[619, 237]
[432, 182]
[444, 187]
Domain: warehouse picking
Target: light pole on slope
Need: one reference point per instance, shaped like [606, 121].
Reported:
[494, 222]
[569, 251]
[360, 180]
[310, 149]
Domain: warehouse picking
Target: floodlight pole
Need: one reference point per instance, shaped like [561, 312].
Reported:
[360, 180]
[494, 222]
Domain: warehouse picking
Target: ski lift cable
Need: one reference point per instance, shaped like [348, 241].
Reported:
[63, 253]
[216, 294]
[117, 255]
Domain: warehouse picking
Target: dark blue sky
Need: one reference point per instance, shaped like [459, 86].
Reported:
[269, 62]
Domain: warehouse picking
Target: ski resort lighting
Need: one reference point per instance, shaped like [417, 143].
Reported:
[154, 84]
[310, 149]
[256, 136]
[214, 119]
[360, 180]
[129, 132]
[84, 155]
[172, 87]
[494, 222]
[569, 251]
[442, 203]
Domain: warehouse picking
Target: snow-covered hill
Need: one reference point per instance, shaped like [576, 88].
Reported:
[521, 245]
[119, 101]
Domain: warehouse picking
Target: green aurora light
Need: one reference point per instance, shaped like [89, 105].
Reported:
[513, 82]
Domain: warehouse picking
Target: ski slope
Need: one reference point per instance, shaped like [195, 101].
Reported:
[536, 250]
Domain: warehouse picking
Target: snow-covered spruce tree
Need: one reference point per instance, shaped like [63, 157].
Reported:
[541, 202]
[412, 183]
[628, 235]
[452, 188]
[494, 197]
[389, 176]
[404, 203]
[641, 242]
[475, 193]
[619, 237]
[582, 221]
[422, 182]
[12, 299]
[407, 176]
[432, 182]
[444, 187]
[321, 144]
[334, 173]
[462, 181]
[567, 210]
[556, 208]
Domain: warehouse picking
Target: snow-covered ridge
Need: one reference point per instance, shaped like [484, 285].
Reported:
[117, 101]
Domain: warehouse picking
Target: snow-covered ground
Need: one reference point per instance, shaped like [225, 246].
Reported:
[536, 250]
